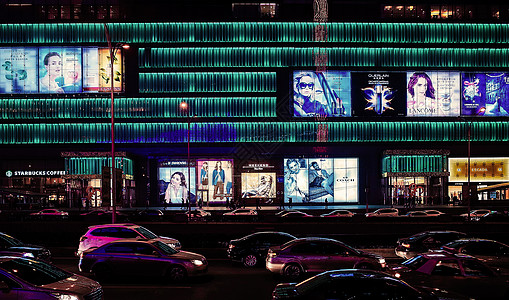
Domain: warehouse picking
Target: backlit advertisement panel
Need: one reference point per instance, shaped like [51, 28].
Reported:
[433, 94]
[485, 94]
[259, 185]
[321, 180]
[378, 93]
[321, 93]
[216, 180]
[175, 181]
[18, 72]
[58, 70]
[491, 169]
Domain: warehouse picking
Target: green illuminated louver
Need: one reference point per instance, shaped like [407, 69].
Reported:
[337, 57]
[414, 164]
[93, 165]
[247, 32]
[135, 108]
[198, 82]
[338, 132]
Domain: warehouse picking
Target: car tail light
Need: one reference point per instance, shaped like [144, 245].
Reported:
[231, 246]
[83, 238]
[406, 245]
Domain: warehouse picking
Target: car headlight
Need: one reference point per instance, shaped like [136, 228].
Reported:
[61, 296]
[197, 262]
[382, 261]
[29, 255]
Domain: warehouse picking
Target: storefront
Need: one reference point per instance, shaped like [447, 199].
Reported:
[414, 177]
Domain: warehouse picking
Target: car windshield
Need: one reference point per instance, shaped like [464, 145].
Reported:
[415, 263]
[34, 272]
[146, 233]
[454, 244]
[165, 248]
[10, 240]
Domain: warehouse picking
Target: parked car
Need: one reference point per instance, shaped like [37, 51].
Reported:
[314, 255]
[295, 215]
[338, 213]
[198, 214]
[417, 214]
[50, 213]
[11, 245]
[103, 215]
[424, 241]
[22, 278]
[476, 213]
[99, 235]
[146, 258]
[493, 216]
[384, 212]
[252, 249]
[150, 214]
[241, 212]
[433, 212]
[284, 211]
[357, 284]
[458, 273]
[492, 253]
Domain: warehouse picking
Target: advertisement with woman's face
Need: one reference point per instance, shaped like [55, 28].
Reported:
[321, 180]
[60, 70]
[177, 184]
[433, 94]
[321, 93]
[258, 185]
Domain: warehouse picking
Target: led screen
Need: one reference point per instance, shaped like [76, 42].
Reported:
[485, 94]
[175, 180]
[215, 180]
[321, 180]
[321, 93]
[433, 94]
[59, 70]
[258, 185]
[378, 94]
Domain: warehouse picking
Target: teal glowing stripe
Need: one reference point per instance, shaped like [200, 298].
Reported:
[93, 165]
[337, 57]
[339, 132]
[247, 32]
[136, 108]
[413, 163]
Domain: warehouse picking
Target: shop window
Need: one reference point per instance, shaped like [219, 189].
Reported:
[102, 12]
[254, 10]
[53, 12]
[76, 11]
[268, 10]
[410, 11]
[399, 11]
[114, 12]
[435, 12]
[65, 12]
[387, 13]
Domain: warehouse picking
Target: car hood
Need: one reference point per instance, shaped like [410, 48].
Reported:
[28, 248]
[188, 255]
[75, 284]
[166, 240]
[370, 255]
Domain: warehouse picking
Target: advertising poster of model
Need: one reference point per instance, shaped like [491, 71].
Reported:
[216, 180]
[18, 72]
[322, 180]
[259, 185]
[321, 93]
[60, 70]
[433, 94]
[485, 94]
[175, 181]
[378, 93]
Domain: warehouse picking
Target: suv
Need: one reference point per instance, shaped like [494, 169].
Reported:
[252, 249]
[384, 212]
[425, 241]
[99, 235]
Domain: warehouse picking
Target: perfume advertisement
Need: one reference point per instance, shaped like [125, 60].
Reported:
[321, 180]
[485, 94]
[60, 70]
[321, 93]
[18, 74]
[433, 94]
[379, 94]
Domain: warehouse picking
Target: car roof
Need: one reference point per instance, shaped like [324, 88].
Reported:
[114, 225]
[476, 240]
[442, 254]
[318, 239]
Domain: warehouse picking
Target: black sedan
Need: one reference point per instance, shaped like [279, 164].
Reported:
[147, 258]
[10, 245]
[492, 253]
[425, 241]
[252, 249]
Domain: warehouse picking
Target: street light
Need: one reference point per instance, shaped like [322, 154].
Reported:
[185, 107]
[113, 51]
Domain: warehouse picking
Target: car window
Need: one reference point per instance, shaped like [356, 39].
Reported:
[475, 268]
[119, 248]
[447, 268]
[146, 233]
[9, 241]
[143, 249]
[306, 248]
[482, 248]
[416, 262]
[106, 231]
[10, 283]
[279, 239]
[34, 272]
[334, 249]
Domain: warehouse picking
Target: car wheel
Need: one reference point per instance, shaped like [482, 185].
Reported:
[102, 272]
[292, 271]
[176, 273]
[250, 260]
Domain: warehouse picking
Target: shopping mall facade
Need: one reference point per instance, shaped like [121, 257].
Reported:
[310, 111]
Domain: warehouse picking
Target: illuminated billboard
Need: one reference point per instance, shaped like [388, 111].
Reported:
[321, 180]
[485, 94]
[216, 180]
[378, 93]
[321, 93]
[491, 169]
[259, 185]
[433, 94]
[175, 181]
[58, 70]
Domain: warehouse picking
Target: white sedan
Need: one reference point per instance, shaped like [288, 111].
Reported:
[50, 212]
[433, 212]
[241, 212]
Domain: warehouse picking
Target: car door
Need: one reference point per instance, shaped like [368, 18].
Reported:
[492, 253]
[338, 256]
[310, 256]
[121, 258]
[148, 261]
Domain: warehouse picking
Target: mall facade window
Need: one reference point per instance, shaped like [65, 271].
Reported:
[254, 10]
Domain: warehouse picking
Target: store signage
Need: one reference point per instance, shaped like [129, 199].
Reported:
[34, 173]
[481, 169]
[257, 166]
